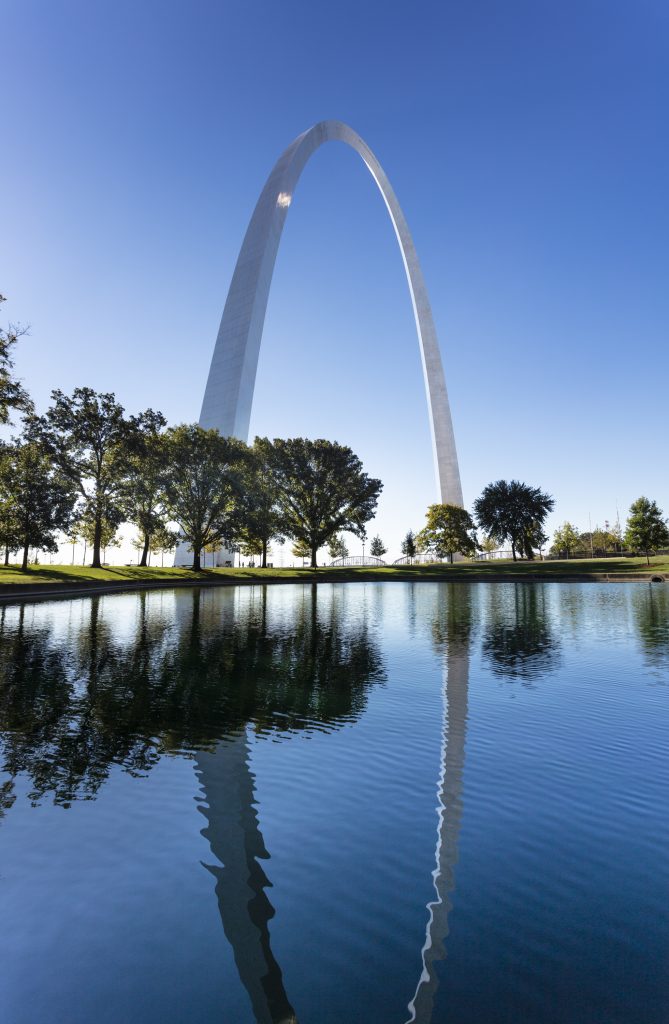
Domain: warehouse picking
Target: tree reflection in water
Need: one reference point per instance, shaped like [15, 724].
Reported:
[651, 615]
[77, 699]
[193, 674]
[519, 641]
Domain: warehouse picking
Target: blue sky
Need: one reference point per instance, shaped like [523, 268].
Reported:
[527, 142]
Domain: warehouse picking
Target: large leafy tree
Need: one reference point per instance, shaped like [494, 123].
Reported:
[42, 498]
[646, 527]
[449, 528]
[511, 511]
[89, 437]
[9, 528]
[146, 467]
[13, 396]
[566, 540]
[322, 490]
[260, 516]
[202, 484]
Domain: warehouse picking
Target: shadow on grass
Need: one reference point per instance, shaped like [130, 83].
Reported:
[70, 575]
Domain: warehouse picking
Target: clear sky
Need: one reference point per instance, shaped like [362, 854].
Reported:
[526, 140]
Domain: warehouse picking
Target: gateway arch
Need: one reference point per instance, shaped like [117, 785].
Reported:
[229, 392]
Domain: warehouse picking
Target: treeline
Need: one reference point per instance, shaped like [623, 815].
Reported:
[514, 513]
[508, 512]
[84, 467]
[646, 532]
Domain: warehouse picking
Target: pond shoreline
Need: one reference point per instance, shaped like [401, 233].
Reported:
[43, 590]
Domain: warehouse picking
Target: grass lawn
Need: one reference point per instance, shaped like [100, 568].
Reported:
[71, 575]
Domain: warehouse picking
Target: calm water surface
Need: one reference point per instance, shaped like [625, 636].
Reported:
[346, 803]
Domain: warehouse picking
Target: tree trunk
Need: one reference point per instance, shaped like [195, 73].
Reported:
[314, 563]
[6, 555]
[648, 557]
[145, 549]
[24, 563]
[264, 554]
[450, 557]
[97, 538]
[513, 550]
[196, 560]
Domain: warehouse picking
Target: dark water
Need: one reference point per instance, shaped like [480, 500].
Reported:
[352, 803]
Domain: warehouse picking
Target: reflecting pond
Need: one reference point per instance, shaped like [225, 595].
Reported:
[393, 802]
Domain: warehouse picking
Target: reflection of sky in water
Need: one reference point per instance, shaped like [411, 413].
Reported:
[296, 749]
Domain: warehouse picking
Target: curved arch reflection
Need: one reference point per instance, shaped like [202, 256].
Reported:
[451, 632]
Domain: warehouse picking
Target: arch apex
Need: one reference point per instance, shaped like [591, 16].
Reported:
[228, 394]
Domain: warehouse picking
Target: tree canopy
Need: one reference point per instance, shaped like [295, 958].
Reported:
[449, 529]
[259, 515]
[145, 476]
[322, 489]
[13, 396]
[646, 527]
[88, 437]
[202, 482]
[377, 548]
[337, 547]
[409, 545]
[41, 499]
[566, 540]
[515, 512]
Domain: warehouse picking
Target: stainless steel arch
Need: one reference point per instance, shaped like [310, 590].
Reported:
[229, 392]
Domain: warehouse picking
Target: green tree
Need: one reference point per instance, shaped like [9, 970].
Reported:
[448, 529]
[377, 548]
[409, 545]
[488, 544]
[42, 499]
[515, 512]
[89, 439]
[146, 468]
[603, 541]
[301, 549]
[9, 527]
[163, 539]
[12, 393]
[252, 548]
[617, 534]
[337, 547]
[566, 540]
[322, 490]
[260, 518]
[646, 528]
[201, 485]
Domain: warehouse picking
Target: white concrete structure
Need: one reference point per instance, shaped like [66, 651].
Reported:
[229, 392]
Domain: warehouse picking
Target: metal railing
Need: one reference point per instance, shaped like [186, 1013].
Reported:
[358, 560]
[423, 558]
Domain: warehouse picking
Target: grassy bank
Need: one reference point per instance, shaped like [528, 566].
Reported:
[60, 576]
